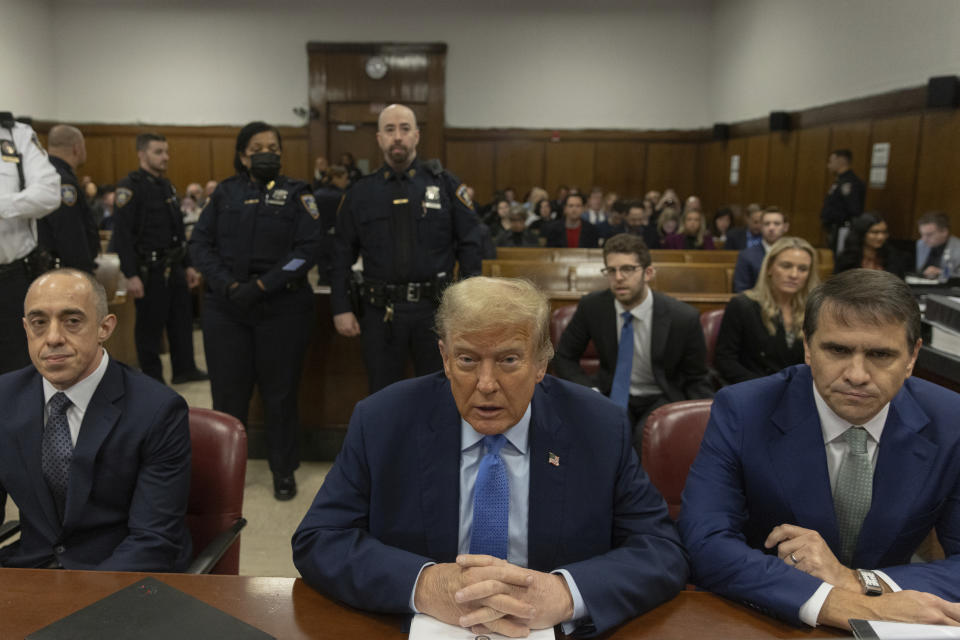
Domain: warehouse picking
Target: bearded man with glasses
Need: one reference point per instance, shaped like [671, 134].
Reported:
[650, 345]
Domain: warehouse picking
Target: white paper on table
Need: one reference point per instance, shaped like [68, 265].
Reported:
[904, 631]
[425, 627]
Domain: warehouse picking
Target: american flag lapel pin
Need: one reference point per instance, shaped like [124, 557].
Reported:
[553, 458]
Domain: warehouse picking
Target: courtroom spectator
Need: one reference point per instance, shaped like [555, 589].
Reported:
[593, 207]
[347, 162]
[814, 487]
[534, 196]
[637, 222]
[609, 202]
[496, 219]
[740, 238]
[320, 166]
[208, 190]
[692, 203]
[544, 213]
[667, 223]
[722, 219]
[562, 192]
[761, 329]
[651, 198]
[935, 244]
[90, 190]
[510, 195]
[95, 454]
[693, 233]
[571, 230]
[516, 234]
[106, 209]
[454, 489]
[774, 224]
[669, 200]
[867, 247]
[659, 335]
[615, 222]
[194, 191]
[190, 211]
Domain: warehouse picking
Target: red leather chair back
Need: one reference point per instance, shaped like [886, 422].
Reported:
[559, 320]
[710, 323]
[671, 440]
[218, 471]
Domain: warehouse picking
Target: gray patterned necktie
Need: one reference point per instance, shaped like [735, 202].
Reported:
[57, 450]
[854, 492]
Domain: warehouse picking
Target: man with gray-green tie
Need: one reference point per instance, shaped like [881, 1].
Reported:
[814, 487]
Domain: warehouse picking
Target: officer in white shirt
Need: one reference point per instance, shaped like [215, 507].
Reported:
[29, 189]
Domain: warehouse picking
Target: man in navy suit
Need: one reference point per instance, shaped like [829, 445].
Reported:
[587, 541]
[95, 456]
[774, 225]
[813, 487]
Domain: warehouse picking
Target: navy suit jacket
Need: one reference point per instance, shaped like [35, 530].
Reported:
[763, 463]
[677, 347]
[747, 271]
[391, 502]
[129, 477]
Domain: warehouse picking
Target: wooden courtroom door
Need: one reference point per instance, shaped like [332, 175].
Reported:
[351, 82]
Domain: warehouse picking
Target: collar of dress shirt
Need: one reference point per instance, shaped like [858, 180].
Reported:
[80, 393]
[642, 312]
[833, 426]
[766, 247]
[517, 435]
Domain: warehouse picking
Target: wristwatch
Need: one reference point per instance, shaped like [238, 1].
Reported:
[870, 582]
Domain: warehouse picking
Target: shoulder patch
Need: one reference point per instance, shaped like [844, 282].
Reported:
[68, 193]
[846, 188]
[310, 204]
[123, 196]
[463, 196]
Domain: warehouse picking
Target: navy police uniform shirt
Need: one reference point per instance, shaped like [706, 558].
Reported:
[70, 233]
[251, 230]
[148, 219]
[409, 226]
[844, 200]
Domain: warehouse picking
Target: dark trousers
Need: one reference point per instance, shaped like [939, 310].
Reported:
[265, 346]
[387, 345]
[13, 340]
[639, 408]
[165, 305]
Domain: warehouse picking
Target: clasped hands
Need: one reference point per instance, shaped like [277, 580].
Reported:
[487, 594]
[806, 550]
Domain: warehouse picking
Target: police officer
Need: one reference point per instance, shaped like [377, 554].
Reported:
[844, 200]
[329, 193]
[149, 238]
[29, 190]
[254, 242]
[69, 234]
[409, 221]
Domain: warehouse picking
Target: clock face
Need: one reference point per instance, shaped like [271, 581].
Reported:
[376, 67]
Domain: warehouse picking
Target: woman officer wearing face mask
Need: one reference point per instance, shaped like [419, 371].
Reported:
[254, 242]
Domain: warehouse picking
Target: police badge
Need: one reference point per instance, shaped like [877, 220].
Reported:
[432, 197]
[9, 151]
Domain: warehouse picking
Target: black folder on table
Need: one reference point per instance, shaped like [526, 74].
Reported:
[149, 610]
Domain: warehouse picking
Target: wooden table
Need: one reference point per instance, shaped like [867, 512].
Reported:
[288, 609]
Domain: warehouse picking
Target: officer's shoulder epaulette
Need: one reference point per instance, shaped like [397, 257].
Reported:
[434, 166]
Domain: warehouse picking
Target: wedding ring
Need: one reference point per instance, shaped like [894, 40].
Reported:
[794, 559]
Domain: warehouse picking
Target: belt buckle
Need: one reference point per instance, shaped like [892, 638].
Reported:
[413, 292]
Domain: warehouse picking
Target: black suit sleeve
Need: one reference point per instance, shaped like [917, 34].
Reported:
[693, 366]
[732, 341]
[571, 346]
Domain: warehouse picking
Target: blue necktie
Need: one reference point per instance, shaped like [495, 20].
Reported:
[491, 502]
[56, 449]
[620, 389]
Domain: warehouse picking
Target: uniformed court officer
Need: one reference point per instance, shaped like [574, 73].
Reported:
[255, 240]
[29, 190]
[149, 238]
[844, 201]
[329, 193]
[69, 234]
[409, 221]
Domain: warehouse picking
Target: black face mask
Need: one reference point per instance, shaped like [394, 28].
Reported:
[265, 166]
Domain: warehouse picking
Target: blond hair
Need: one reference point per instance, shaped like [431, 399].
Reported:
[480, 304]
[682, 229]
[763, 294]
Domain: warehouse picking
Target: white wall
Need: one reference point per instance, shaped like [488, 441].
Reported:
[771, 55]
[26, 58]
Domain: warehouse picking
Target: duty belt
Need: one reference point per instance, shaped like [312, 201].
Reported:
[380, 294]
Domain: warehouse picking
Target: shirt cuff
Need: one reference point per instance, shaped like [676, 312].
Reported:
[579, 606]
[810, 610]
[890, 583]
[413, 592]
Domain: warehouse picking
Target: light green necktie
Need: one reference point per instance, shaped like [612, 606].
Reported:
[854, 492]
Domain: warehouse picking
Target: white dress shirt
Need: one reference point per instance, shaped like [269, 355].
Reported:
[642, 382]
[79, 395]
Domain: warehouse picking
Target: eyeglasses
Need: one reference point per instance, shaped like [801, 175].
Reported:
[627, 270]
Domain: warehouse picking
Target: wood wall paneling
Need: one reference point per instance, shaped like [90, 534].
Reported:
[810, 185]
[296, 159]
[938, 187]
[568, 163]
[895, 200]
[736, 193]
[99, 165]
[519, 164]
[473, 162]
[124, 155]
[712, 173]
[189, 161]
[222, 151]
[621, 167]
[754, 175]
[781, 167]
[671, 164]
